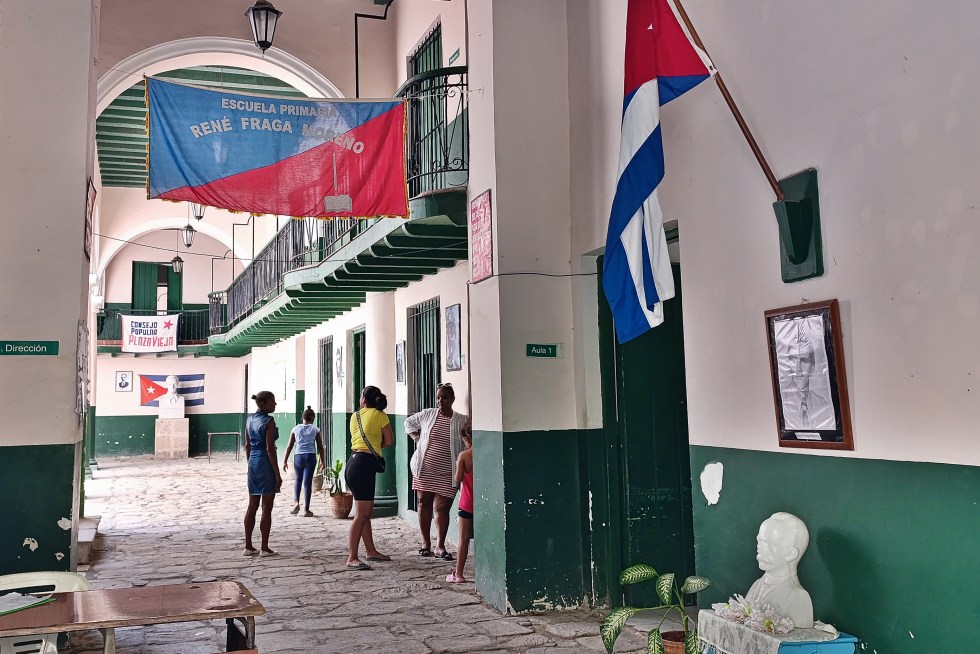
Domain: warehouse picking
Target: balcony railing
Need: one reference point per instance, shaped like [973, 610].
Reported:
[438, 135]
[192, 327]
[438, 159]
[301, 242]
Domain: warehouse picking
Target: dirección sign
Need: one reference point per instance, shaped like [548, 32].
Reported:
[29, 348]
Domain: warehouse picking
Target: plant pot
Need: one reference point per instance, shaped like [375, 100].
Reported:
[317, 483]
[341, 505]
[673, 642]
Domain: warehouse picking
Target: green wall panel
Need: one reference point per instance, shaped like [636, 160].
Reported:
[40, 478]
[134, 435]
[488, 517]
[893, 545]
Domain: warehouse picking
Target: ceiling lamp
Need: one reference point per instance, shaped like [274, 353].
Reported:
[197, 210]
[177, 263]
[187, 234]
[262, 16]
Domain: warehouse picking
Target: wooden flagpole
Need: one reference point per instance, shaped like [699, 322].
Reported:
[773, 182]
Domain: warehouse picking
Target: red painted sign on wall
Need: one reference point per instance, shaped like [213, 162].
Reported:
[481, 237]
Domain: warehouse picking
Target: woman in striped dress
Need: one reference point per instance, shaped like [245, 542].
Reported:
[439, 435]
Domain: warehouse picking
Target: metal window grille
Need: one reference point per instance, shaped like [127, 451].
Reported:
[423, 345]
[428, 56]
[325, 413]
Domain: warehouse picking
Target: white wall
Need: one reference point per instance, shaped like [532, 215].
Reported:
[319, 33]
[885, 115]
[273, 369]
[160, 246]
[414, 18]
[223, 383]
[46, 113]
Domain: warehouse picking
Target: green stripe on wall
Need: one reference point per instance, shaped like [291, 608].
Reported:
[893, 545]
[36, 481]
[134, 435]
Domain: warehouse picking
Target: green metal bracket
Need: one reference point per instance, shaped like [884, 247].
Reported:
[798, 217]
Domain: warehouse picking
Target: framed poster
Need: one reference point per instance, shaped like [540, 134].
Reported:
[481, 237]
[89, 211]
[400, 362]
[124, 381]
[454, 359]
[809, 382]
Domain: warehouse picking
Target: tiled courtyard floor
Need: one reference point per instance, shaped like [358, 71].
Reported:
[167, 522]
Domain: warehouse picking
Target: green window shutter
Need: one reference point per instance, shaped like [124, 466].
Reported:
[175, 291]
[144, 286]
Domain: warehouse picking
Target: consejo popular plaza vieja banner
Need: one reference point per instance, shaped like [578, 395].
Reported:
[274, 155]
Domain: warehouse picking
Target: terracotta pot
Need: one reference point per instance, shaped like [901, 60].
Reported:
[317, 483]
[673, 642]
[341, 505]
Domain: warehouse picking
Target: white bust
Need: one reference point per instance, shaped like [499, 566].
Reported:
[172, 403]
[782, 540]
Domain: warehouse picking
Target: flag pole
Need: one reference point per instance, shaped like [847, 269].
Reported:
[773, 182]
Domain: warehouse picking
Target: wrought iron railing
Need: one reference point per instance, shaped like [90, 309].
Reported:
[299, 243]
[192, 327]
[438, 134]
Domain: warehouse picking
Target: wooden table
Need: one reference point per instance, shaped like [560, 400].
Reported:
[129, 607]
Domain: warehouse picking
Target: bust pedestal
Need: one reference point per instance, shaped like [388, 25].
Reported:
[172, 438]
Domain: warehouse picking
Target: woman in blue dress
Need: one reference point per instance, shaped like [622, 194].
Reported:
[264, 480]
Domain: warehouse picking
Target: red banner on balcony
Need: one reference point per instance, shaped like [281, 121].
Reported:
[275, 155]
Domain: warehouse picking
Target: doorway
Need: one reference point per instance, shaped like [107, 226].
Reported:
[325, 413]
[423, 370]
[645, 418]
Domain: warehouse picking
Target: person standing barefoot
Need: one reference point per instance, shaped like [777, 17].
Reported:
[464, 479]
[264, 480]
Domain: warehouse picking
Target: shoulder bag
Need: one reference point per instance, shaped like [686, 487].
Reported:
[378, 459]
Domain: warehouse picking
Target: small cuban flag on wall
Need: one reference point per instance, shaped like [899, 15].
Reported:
[153, 387]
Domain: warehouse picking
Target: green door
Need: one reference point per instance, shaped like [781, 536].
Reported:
[145, 278]
[654, 458]
[175, 290]
[357, 366]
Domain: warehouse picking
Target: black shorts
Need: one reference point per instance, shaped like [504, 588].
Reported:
[360, 475]
[465, 515]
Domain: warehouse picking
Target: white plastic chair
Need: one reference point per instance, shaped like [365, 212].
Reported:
[57, 582]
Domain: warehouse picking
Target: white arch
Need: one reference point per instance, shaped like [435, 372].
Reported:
[212, 51]
[113, 247]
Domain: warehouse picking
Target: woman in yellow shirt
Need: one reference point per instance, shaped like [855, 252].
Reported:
[370, 431]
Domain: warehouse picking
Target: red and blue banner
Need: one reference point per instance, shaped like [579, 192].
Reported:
[275, 155]
[662, 62]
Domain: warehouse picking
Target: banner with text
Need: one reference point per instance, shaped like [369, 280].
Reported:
[149, 333]
[276, 155]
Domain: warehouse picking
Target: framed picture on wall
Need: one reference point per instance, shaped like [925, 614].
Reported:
[124, 381]
[809, 382]
[454, 358]
[400, 362]
[89, 211]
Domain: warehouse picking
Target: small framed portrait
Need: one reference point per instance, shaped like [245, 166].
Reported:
[809, 382]
[124, 381]
[400, 362]
[454, 358]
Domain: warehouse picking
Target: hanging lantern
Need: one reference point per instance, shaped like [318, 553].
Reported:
[262, 16]
[197, 210]
[178, 264]
[187, 234]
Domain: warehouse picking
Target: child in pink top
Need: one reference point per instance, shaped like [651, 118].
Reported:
[464, 479]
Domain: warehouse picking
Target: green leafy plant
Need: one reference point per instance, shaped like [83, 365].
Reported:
[672, 599]
[334, 478]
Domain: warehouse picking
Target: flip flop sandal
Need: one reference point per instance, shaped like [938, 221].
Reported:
[295, 510]
[445, 556]
[308, 514]
[250, 552]
[268, 553]
[425, 551]
[357, 567]
[453, 579]
[379, 557]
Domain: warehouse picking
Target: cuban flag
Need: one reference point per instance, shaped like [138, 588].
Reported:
[276, 155]
[153, 387]
[662, 62]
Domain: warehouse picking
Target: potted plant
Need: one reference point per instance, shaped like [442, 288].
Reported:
[672, 598]
[341, 502]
